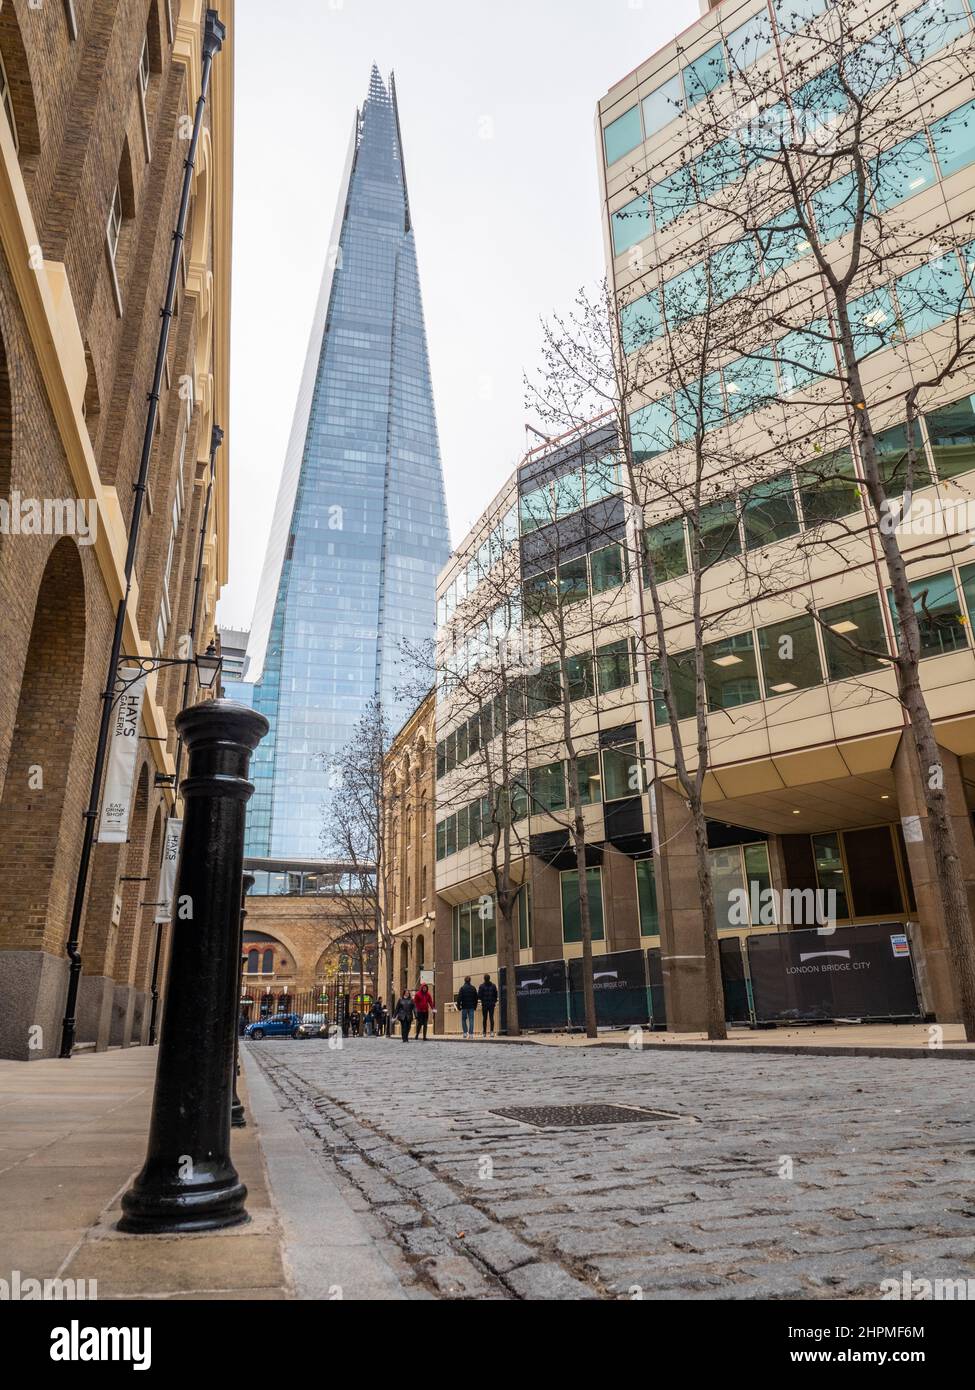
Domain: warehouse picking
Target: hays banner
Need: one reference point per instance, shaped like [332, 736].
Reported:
[113, 826]
[542, 996]
[852, 972]
[620, 986]
[167, 874]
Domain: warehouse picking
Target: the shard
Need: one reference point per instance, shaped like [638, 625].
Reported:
[360, 525]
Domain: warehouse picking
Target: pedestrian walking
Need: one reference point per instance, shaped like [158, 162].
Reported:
[423, 1004]
[488, 995]
[467, 1003]
[377, 1017]
[404, 1014]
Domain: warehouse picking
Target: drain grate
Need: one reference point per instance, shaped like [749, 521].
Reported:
[569, 1116]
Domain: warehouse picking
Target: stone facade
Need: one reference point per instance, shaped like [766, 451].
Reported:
[91, 162]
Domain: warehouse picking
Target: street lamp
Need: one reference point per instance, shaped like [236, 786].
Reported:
[208, 665]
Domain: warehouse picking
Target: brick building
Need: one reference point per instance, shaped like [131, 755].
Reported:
[98, 99]
[410, 902]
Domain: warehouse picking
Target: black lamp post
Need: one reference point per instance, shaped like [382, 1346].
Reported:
[188, 1182]
[237, 1117]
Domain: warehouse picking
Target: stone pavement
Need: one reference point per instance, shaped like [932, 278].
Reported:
[776, 1177]
[73, 1134]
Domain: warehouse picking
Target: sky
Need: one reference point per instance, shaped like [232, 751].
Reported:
[497, 103]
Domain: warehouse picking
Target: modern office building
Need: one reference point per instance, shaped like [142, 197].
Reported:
[94, 102]
[813, 783]
[233, 655]
[360, 527]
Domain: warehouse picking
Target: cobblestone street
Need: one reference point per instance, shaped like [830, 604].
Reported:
[779, 1177]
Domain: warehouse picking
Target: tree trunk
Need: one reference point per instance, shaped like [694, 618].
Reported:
[714, 991]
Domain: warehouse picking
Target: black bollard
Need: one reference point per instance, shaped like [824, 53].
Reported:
[237, 1117]
[188, 1182]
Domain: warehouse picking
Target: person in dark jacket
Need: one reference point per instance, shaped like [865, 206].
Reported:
[404, 1014]
[467, 1003]
[377, 1017]
[488, 995]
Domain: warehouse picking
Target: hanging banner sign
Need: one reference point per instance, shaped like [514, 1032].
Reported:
[167, 874]
[113, 827]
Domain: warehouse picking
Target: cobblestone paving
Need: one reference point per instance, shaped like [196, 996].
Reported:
[784, 1177]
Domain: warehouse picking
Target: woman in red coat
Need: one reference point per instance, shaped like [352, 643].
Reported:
[423, 1003]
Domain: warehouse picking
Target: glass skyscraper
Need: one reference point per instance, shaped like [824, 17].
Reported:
[360, 526]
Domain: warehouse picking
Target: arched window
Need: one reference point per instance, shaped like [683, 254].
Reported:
[252, 962]
[268, 966]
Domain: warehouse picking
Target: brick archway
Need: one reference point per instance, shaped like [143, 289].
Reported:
[34, 905]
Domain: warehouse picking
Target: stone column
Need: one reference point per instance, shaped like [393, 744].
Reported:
[681, 919]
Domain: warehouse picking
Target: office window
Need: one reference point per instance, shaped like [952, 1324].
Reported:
[704, 75]
[834, 209]
[953, 138]
[666, 545]
[830, 873]
[672, 196]
[717, 533]
[641, 321]
[757, 871]
[790, 656]
[782, 242]
[819, 105]
[663, 105]
[769, 512]
[602, 479]
[571, 912]
[932, 26]
[951, 430]
[544, 690]
[737, 869]
[750, 384]
[463, 832]
[792, 16]
[573, 581]
[568, 493]
[685, 296]
[652, 430]
[608, 570]
[646, 893]
[930, 295]
[518, 797]
[441, 840]
[623, 135]
[700, 406]
[536, 510]
[474, 823]
[901, 172]
[590, 779]
[548, 787]
[114, 229]
[683, 687]
[730, 672]
[860, 620]
[450, 833]
[580, 676]
[717, 167]
[805, 356]
[828, 487]
[631, 224]
[613, 666]
[939, 615]
[733, 268]
[873, 322]
[622, 774]
[892, 459]
[875, 64]
[749, 41]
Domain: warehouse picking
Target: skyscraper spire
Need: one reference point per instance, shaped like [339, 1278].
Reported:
[360, 526]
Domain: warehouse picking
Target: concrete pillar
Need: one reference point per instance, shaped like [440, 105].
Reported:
[681, 919]
[443, 963]
[620, 904]
[931, 954]
[546, 891]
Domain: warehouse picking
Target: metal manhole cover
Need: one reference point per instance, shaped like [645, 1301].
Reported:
[568, 1116]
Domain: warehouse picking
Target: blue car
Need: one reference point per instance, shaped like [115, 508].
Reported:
[280, 1026]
